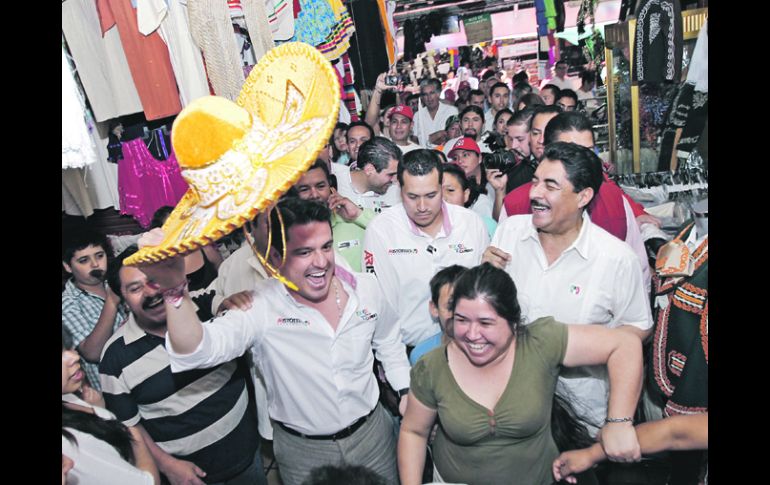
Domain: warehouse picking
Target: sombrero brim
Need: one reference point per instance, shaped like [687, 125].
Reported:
[292, 95]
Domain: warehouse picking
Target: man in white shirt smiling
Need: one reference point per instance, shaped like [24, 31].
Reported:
[374, 185]
[569, 268]
[407, 244]
[430, 120]
[312, 343]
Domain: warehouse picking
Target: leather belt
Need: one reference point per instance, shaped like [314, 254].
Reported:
[343, 433]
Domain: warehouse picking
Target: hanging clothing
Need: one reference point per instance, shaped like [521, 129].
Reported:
[77, 147]
[658, 42]
[349, 90]
[100, 61]
[280, 17]
[698, 72]
[387, 8]
[170, 21]
[314, 22]
[212, 31]
[338, 40]
[148, 60]
[679, 370]
[146, 183]
[257, 24]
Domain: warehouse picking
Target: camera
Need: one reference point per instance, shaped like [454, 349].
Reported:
[502, 160]
[391, 80]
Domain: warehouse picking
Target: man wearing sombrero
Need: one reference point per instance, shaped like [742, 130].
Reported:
[313, 326]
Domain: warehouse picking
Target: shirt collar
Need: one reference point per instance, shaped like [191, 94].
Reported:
[72, 290]
[581, 244]
[446, 222]
[133, 331]
[345, 276]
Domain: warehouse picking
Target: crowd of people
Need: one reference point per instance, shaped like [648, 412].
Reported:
[453, 291]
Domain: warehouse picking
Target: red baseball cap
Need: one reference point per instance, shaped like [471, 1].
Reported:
[465, 143]
[404, 110]
[464, 84]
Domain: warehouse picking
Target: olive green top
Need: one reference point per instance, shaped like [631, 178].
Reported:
[512, 443]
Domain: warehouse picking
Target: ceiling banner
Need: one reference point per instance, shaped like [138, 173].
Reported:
[478, 28]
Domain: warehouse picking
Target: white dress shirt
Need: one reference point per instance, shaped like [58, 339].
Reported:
[319, 380]
[597, 280]
[405, 259]
[424, 125]
[366, 200]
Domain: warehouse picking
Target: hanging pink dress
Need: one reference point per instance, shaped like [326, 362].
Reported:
[146, 183]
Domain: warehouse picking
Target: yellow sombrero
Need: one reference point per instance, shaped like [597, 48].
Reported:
[239, 158]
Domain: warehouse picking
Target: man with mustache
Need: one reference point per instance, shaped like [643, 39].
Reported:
[90, 311]
[567, 267]
[201, 425]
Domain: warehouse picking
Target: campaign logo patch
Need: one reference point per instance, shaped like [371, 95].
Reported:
[292, 322]
[402, 251]
[365, 315]
[348, 244]
[460, 248]
[575, 290]
[369, 262]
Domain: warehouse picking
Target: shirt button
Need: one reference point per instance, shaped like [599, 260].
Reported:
[492, 422]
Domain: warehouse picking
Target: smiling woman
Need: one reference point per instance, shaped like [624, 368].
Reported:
[489, 431]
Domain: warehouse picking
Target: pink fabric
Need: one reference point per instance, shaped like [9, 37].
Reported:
[146, 183]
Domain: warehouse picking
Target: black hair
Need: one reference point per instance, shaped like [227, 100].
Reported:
[446, 276]
[442, 155]
[495, 286]
[530, 100]
[113, 269]
[108, 430]
[322, 165]
[487, 74]
[567, 93]
[295, 211]
[361, 123]
[583, 166]
[378, 151]
[420, 162]
[160, 216]
[567, 429]
[499, 84]
[564, 122]
[543, 109]
[520, 76]
[475, 92]
[454, 169]
[561, 61]
[501, 112]
[335, 152]
[347, 474]
[475, 109]
[554, 88]
[522, 117]
[587, 76]
[411, 97]
[81, 238]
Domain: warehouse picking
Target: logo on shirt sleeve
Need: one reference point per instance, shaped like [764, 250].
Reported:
[460, 248]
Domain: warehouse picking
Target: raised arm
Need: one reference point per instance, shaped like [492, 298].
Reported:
[622, 353]
[185, 331]
[91, 347]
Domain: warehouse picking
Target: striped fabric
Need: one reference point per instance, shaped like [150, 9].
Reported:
[206, 416]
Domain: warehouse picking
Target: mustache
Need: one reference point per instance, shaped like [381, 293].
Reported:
[97, 273]
[151, 301]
